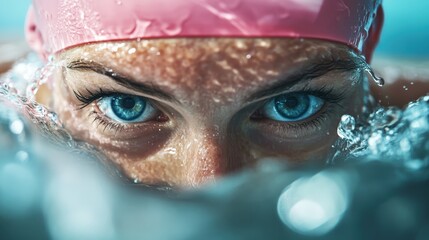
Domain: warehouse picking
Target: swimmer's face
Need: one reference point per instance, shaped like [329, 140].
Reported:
[184, 111]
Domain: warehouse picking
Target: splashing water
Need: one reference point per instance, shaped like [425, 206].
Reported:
[378, 80]
[320, 205]
[389, 134]
[18, 89]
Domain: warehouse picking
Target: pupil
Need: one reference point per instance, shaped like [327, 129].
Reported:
[291, 102]
[128, 103]
[292, 106]
[128, 108]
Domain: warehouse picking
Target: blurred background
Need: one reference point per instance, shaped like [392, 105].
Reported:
[405, 34]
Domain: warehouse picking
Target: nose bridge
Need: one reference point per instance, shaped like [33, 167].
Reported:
[210, 155]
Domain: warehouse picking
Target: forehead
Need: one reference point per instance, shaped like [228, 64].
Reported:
[207, 63]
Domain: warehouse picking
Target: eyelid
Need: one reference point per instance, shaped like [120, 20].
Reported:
[325, 92]
[303, 84]
[104, 105]
[93, 95]
[308, 75]
[332, 97]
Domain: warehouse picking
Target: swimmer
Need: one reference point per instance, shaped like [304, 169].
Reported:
[182, 92]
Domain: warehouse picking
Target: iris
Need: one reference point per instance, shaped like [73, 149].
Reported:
[291, 107]
[126, 108]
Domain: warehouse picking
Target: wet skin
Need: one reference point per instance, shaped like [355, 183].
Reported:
[209, 97]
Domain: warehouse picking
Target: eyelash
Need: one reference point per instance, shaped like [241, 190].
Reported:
[326, 93]
[117, 127]
[90, 98]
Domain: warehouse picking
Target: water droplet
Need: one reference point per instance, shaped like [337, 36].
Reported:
[378, 80]
[240, 44]
[171, 151]
[171, 29]
[348, 122]
[132, 51]
[154, 51]
[51, 58]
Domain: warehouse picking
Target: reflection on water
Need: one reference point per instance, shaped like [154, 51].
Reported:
[52, 187]
[314, 205]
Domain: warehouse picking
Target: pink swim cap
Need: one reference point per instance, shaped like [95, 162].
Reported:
[53, 26]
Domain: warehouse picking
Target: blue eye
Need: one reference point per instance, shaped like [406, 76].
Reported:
[292, 107]
[126, 108]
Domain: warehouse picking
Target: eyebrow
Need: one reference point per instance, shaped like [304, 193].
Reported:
[311, 70]
[120, 79]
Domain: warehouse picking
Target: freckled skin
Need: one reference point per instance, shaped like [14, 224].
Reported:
[209, 131]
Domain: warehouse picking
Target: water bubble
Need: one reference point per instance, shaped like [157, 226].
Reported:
[314, 206]
[22, 156]
[17, 127]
